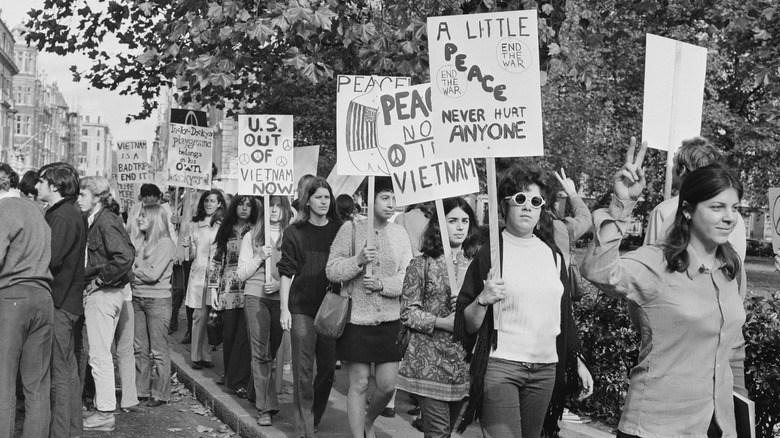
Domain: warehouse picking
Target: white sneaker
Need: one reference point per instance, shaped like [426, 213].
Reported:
[103, 421]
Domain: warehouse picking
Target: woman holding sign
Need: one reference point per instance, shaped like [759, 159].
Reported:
[518, 326]
[374, 323]
[262, 302]
[433, 367]
[685, 298]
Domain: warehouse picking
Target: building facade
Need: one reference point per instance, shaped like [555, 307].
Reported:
[95, 148]
[8, 69]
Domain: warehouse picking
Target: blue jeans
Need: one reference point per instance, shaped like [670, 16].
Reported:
[26, 316]
[265, 336]
[515, 398]
[438, 416]
[310, 392]
[152, 356]
[65, 382]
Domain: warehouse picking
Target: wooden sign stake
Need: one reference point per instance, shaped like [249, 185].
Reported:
[495, 256]
[673, 120]
[186, 219]
[370, 221]
[445, 243]
[267, 232]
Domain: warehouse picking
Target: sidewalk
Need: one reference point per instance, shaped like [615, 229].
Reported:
[241, 415]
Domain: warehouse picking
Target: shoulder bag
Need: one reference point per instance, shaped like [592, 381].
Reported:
[335, 309]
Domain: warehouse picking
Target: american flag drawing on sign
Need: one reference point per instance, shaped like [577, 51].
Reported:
[361, 127]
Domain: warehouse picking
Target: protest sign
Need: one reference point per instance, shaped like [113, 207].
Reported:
[305, 160]
[674, 92]
[405, 131]
[126, 193]
[485, 84]
[774, 216]
[132, 162]
[358, 151]
[189, 156]
[265, 155]
[188, 117]
[343, 183]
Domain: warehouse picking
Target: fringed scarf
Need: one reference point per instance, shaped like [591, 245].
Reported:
[478, 345]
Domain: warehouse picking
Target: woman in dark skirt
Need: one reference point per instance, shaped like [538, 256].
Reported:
[369, 337]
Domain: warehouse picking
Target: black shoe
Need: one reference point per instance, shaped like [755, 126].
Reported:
[418, 424]
[153, 403]
[197, 365]
[241, 393]
[388, 412]
[414, 411]
[207, 364]
[221, 380]
[187, 339]
[174, 325]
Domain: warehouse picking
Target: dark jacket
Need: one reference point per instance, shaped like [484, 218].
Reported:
[69, 238]
[111, 254]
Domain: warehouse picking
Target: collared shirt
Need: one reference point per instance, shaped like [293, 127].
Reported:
[690, 323]
[90, 219]
[13, 193]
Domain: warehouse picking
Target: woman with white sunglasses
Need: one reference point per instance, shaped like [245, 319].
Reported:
[519, 326]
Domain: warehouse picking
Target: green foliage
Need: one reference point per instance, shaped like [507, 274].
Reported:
[762, 363]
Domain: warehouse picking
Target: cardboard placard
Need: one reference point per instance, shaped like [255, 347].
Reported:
[485, 84]
[406, 133]
[358, 151]
[305, 160]
[189, 156]
[774, 217]
[126, 193]
[343, 183]
[132, 162]
[265, 155]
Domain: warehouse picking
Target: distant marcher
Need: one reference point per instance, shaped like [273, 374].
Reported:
[26, 311]
[414, 220]
[152, 305]
[345, 206]
[305, 247]
[110, 257]
[227, 292]
[58, 186]
[28, 183]
[303, 182]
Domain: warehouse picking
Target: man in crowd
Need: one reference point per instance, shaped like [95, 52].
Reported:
[110, 258]
[26, 310]
[693, 153]
[58, 187]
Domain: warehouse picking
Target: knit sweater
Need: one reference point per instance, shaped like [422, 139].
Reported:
[25, 244]
[251, 268]
[394, 253]
[152, 269]
[305, 249]
[68, 245]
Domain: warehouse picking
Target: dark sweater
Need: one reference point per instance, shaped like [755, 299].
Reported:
[25, 245]
[69, 238]
[305, 250]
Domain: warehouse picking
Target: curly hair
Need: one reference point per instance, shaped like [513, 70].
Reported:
[519, 178]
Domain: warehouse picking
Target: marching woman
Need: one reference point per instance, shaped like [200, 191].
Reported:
[303, 285]
[518, 328]
[197, 239]
[433, 367]
[226, 291]
[370, 334]
[685, 298]
[261, 303]
[155, 251]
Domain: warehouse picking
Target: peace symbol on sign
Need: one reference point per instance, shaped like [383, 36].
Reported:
[243, 159]
[287, 145]
[396, 154]
[281, 161]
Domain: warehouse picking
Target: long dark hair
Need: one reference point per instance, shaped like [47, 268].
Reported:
[231, 218]
[258, 234]
[698, 186]
[519, 178]
[315, 183]
[430, 243]
[201, 214]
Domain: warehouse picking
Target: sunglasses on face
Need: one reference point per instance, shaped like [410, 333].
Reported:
[519, 199]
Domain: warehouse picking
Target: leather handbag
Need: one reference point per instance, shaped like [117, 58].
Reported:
[574, 281]
[333, 314]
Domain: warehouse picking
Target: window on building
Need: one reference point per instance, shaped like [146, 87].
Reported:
[98, 146]
[18, 124]
[85, 132]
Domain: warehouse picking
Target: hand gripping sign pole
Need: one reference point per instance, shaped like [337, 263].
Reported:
[266, 231]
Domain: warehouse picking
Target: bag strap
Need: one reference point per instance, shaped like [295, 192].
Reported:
[354, 231]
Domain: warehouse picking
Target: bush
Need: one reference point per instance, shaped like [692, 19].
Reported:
[759, 249]
[612, 346]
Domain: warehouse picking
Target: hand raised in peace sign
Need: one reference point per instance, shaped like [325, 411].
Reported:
[630, 179]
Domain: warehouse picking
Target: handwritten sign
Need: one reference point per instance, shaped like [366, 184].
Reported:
[358, 150]
[265, 155]
[189, 156]
[132, 161]
[406, 130]
[774, 216]
[126, 193]
[674, 92]
[485, 84]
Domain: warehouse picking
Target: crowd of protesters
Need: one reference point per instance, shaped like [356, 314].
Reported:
[82, 286]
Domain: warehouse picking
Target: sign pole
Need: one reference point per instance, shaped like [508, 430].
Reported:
[370, 222]
[445, 244]
[175, 211]
[267, 232]
[495, 256]
[186, 218]
[671, 147]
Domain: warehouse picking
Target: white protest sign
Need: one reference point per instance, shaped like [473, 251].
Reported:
[132, 162]
[358, 151]
[189, 156]
[126, 193]
[485, 84]
[306, 159]
[406, 132]
[265, 155]
[774, 216]
[674, 92]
